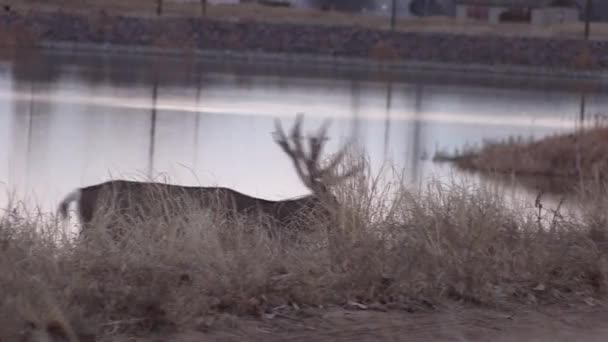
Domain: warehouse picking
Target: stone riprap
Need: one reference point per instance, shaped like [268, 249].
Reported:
[277, 38]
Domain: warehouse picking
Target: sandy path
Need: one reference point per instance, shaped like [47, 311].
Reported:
[454, 324]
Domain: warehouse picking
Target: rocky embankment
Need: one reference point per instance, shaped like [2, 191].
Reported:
[240, 36]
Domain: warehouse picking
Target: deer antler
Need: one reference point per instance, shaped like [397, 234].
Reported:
[308, 166]
[296, 154]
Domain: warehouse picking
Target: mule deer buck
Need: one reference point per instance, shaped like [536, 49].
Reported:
[123, 198]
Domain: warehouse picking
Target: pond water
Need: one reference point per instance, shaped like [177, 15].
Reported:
[71, 120]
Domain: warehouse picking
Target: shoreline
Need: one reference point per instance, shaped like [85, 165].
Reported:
[559, 163]
[327, 46]
[336, 62]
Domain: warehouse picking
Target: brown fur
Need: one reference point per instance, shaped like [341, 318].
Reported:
[129, 199]
[134, 199]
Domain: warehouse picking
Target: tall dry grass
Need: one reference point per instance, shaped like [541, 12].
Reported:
[392, 247]
[568, 161]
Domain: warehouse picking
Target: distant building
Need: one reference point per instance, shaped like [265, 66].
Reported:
[403, 8]
[540, 12]
[557, 12]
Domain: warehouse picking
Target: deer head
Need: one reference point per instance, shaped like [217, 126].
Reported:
[317, 178]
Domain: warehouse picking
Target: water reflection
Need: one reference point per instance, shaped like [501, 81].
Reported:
[152, 129]
[74, 120]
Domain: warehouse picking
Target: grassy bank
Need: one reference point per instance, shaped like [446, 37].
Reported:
[394, 249]
[563, 161]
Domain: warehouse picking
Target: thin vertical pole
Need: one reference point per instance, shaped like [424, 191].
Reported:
[587, 19]
[203, 8]
[393, 14]
[159, 7]
[152, 129]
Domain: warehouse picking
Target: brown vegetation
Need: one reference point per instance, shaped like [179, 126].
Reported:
[391, 249]
[565, 158]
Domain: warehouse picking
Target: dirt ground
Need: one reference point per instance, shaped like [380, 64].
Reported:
[557, 323]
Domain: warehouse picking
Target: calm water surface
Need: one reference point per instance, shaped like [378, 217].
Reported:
[75, 120]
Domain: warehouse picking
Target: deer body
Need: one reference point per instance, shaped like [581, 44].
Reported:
[128, 199]
[133, 198]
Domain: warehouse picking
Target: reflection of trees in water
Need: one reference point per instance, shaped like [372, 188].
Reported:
[152, 144]
[587, 93]
[387, 119]
[33, 67]
[21, 139]
[417, 122]
[409, 145]
[157, 81]
[100, 69]
[409, 133]
[583, 105]
[412, 143]
[129, 71]
[355, 90]
[30, 136]
[197, 119]
[32, 118]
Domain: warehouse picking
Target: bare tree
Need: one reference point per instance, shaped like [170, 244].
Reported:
[122, 199]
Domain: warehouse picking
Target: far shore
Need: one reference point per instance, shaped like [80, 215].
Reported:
[349, 63]
[297, 43]
[558, 163]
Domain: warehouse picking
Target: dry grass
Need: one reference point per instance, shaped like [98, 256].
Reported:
[568, 159]
[308, 16]
[392, 247]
